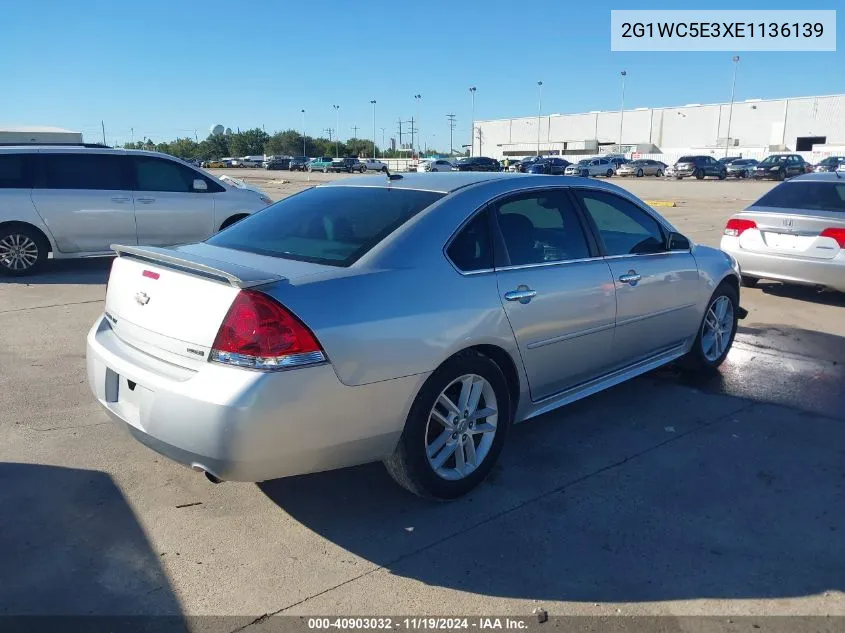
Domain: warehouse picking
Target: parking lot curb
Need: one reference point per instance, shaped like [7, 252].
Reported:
[661, 203]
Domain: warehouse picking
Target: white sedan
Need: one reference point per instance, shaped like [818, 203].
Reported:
[373, 165]
[439, 164]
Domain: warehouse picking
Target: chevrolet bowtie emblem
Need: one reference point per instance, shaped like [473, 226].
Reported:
[142, 298]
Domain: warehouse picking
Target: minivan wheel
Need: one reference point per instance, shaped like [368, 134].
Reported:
[716, 332]
[455, 430]
[22, 250]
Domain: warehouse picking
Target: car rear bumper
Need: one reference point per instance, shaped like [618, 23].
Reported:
[829, 273]
[243, 425]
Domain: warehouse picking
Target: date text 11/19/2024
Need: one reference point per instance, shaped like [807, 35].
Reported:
[418, 623]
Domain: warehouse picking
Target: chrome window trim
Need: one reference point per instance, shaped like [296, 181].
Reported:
[491, 201]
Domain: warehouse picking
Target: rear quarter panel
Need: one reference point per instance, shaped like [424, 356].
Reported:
[16, 206]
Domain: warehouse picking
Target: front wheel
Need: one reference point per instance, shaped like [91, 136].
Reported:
[716, 333]
[608, 173]
[723, 175]
[455, 430]
[699, 174]
[23, 250]
[659, 173]
[310, 169]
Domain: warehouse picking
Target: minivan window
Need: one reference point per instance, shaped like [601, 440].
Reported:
[15, 171]
[326, 225]
[83, 171]
[815, 196]
[160, 174]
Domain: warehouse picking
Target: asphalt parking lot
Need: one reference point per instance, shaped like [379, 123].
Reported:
[661, 496]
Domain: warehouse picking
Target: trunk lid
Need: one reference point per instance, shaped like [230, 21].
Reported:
[791, 232]
[170, 302]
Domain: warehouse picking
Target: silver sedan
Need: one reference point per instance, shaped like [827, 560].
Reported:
[795, 233]
[405, 318]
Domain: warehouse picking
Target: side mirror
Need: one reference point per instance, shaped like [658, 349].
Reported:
[200, 185]
[678, 242]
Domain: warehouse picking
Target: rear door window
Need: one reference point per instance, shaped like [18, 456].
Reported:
[84, 171]
[326, 225]
[624, 227]
[16, 171]
[809, 195]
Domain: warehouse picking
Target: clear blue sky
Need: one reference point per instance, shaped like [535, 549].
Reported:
[167, 67]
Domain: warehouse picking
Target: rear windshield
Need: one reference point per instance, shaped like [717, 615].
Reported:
[326, 225]
[815, 196]
[772, 160]
[687, 159]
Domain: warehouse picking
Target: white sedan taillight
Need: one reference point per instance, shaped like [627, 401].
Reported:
[736, 226]
[259, 333]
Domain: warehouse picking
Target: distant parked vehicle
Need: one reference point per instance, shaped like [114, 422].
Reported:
[780, 167]
[795, 233]
[552, 166]
[641, 167]
[591, 167]
[277, 162]
[727, 160]
[477, 163]
[348, 165]
[435, 164]
[524, 165]
[618, 161]
[235, 162]
[214, 164]
[742, 167]
[298, 163]
[252, 161]
[320, 164]
[831, 163]
[372, 164]
[700, 167]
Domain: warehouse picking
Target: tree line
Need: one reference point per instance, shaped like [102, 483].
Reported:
[258, 142]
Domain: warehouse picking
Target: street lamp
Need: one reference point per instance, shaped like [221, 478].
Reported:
[373, 101]
[303, 132]
[735, 60]
[539, 111]
[622, 110]
[472, 128]
[337, 131]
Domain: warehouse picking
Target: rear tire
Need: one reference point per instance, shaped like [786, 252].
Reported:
[699, 174]
[425, 439]
[723, 175]
[639, 173]
[659, 173]
[710, 348]
[609, 173]
[750, 282]
[23, 250]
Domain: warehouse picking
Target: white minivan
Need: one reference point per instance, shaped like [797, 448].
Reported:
[76, 201]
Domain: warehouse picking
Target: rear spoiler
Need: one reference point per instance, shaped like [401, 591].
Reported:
[233, 274]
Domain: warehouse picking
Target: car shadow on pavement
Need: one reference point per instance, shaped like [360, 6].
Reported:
[71, 546]
[803, 293]
[91, 271]
[658, 489]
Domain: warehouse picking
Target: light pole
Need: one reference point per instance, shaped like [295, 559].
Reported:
[303, 132]
[417, 122]
[622, 110]
[735, 60]
[373, 101]
[382, 138]
[337, 127]
[472, 126]
[539, 111]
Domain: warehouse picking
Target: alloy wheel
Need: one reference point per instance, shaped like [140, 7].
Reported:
[717, 328]
[18, 252]
[461, 427]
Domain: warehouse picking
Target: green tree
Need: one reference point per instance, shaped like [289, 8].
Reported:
[213, 147]
[248, 142]
[287, 143]
[184, 148]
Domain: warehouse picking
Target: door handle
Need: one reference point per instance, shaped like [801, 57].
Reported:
[145, 200]
[631, 277]
[523, 294]
[120, 199]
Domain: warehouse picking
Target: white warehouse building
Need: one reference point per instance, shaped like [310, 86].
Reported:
[757, 126]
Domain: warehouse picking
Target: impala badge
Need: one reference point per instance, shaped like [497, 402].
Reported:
[142, 298]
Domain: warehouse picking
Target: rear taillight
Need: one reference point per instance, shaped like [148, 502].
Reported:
[837, 234]
[735, 226]
[260, 334]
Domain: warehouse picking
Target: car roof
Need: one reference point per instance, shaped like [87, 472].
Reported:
[76, 149]
[824, 176]
[448, 182]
